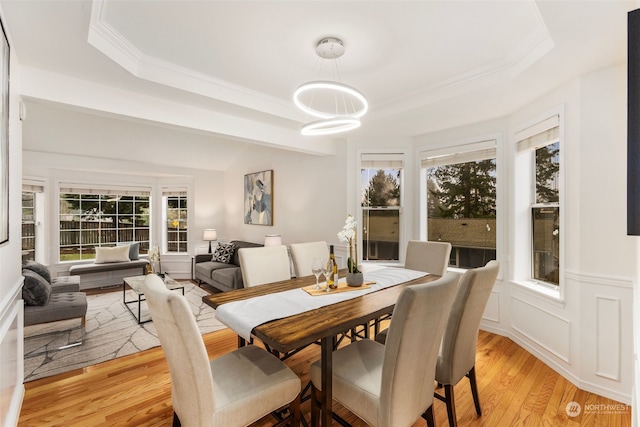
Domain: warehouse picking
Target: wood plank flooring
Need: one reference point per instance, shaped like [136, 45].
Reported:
[516, 389]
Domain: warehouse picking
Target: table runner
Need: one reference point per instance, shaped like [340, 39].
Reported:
[243, 316]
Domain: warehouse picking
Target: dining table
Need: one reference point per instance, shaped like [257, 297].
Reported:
[289, 332]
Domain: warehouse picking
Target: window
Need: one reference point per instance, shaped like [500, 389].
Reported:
[461, 201]
[381, 202]
[28, 226]
[32, 204]
[542, 144]
[101, 217]
[176, 233]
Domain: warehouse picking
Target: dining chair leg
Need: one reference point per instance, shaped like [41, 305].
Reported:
[474, 390]
[451, 407]
[176, 421]
[428, 416]
[294, 408]
[315, 406]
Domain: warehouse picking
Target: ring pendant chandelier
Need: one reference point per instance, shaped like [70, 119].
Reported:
[337, 106]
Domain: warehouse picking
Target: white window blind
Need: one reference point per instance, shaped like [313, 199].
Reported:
[174, 191]
[381, 161]
[33, 186]
[72, 188]
[473, 152]
[539, 135]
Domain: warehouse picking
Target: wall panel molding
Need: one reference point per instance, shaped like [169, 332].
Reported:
[608, 337]
[558, 344]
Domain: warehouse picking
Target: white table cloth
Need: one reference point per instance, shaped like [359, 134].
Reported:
[243, 316]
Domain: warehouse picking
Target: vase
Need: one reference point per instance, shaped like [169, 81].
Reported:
[354, 279]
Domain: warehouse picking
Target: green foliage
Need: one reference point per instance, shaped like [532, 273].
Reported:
[547, 169]
[463, 190]
[383, 190]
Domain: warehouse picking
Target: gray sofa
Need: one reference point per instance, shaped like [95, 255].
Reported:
[222, 276]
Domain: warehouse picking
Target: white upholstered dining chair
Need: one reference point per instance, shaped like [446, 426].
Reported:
[264, 265]
[457, 356]
[430, 257]
[392, 385]
[303, 254]
[235, 389]
[422, 255]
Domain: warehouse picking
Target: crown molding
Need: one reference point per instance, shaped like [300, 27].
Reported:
[118, 48]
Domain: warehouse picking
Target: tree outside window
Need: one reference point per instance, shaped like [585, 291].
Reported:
[461, 210]
[381, 203]
[545, 214]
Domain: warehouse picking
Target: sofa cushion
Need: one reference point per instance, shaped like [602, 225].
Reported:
[41, 269]
[63, 306]
[62, 284]
[35, 290]
[223, 253]
[229, 277]
[112, 254]
[208, 267]
[134, 249]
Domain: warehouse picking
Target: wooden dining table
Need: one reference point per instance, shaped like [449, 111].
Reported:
[322, 324]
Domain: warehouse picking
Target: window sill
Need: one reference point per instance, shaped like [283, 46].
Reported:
[541, 290]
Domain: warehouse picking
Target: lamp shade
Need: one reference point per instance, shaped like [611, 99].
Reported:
[210, 234]
[273, 240]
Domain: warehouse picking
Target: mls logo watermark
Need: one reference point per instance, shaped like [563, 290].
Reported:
[574, 409]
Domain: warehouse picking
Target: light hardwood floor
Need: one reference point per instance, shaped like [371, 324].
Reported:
[516, 389]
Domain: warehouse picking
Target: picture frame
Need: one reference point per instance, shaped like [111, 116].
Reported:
[258, 198]
[4, 136]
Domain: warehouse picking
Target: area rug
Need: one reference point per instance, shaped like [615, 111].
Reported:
[111, 332]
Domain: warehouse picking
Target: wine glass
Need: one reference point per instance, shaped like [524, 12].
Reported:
[317, 269]
[328, 272]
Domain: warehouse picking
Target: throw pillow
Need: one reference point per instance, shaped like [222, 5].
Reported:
[41, 269]
[112, 254]
[35, 290]
[223, 252]
[134, 249]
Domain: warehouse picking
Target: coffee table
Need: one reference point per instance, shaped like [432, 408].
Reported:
[136, 283]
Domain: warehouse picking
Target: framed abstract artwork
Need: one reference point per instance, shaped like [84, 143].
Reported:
[258, 198]
[4, 137]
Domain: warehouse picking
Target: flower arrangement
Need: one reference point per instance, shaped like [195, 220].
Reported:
[154, 255]
[349, 234]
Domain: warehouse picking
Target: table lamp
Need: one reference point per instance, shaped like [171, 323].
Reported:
[210, 234]
[272, 239]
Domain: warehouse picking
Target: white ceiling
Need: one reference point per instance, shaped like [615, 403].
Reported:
[423, 65]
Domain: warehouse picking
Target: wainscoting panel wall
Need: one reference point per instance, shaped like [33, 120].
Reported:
[492, 310]
[11, 357]
[608, 337]
[534, 323]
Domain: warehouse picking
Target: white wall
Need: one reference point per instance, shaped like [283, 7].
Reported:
[587, 335]
[308, 196]
[11, 349]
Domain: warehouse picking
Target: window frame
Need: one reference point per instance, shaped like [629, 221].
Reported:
[472, 149]
[168, 192]
[392, 156]
[36, 186]
[103, 190]
[524, 202]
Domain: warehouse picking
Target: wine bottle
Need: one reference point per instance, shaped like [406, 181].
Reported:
[332, 282]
